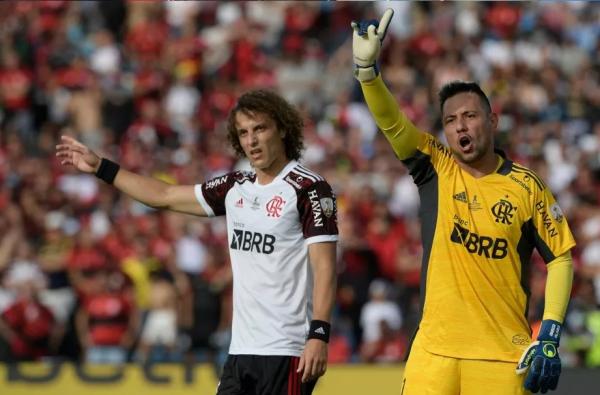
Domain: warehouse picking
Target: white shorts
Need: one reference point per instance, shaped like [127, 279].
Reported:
[160, 328]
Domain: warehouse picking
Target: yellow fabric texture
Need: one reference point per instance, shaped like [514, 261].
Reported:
[558, 287]
[431, 374]
[400, 132]
[137, 270]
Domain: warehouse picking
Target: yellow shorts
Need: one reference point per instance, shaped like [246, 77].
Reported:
[432, 374]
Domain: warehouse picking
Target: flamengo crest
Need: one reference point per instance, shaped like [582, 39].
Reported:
[274, 206]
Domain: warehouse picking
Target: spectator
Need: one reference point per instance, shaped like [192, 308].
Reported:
[379, 308]
[27, 326]
[390, 347]
[53, 255]
[107, 320]
[158, 338]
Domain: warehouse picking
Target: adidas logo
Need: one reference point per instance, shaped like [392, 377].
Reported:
[320, 330]
[461, 197]
[240, 203]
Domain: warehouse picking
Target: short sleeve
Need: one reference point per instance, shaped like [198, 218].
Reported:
[318, 213]
[554, 236]
[211, 194]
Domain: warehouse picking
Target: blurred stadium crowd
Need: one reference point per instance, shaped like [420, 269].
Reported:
[87, 273]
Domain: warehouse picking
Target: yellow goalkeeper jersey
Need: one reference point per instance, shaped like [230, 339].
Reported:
[478, 237]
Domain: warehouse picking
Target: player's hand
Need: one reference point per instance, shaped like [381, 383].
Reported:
[541, 361]
[73, 153]
[313, 362]
[367, 37]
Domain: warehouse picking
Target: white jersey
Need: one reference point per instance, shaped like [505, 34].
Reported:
[269, 229]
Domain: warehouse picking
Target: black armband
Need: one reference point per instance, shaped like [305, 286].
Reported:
[107, 171]
[319, 330]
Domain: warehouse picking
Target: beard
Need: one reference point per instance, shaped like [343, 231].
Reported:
[476, 154]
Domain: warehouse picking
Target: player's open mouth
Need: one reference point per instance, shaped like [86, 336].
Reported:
[255, 152]
[465, 143]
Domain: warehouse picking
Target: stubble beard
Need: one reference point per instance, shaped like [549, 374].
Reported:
[473, 157]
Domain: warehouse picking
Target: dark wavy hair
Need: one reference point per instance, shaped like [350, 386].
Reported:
[286, 117]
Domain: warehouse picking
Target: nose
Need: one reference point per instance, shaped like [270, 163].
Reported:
[461, 125]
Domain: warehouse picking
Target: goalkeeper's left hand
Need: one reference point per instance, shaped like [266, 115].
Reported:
[541, 360]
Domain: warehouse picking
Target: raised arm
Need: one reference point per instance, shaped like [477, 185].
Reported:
[147, 190]
[367, 37]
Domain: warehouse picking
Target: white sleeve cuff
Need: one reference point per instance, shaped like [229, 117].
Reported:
[321, 239]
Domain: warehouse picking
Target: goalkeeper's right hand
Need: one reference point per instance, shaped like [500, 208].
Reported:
[366, 45]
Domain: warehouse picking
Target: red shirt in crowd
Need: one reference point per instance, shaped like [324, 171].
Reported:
[385, 246]
[32, 322]
[503, 19]
[108, 316]
[84, 258]
[146, 40]
[15, 84]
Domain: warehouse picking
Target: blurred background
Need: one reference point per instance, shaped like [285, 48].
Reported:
[87, 274]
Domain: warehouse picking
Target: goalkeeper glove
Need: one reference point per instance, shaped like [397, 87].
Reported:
[541, 360]
[366, 45]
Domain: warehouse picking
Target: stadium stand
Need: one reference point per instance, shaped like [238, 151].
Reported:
[151, 83]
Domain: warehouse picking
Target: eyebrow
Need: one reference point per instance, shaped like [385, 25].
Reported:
[462, 113]
[261, 124]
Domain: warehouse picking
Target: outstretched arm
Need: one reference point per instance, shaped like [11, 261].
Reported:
[147, 190]
[367, 38]
[313, 362]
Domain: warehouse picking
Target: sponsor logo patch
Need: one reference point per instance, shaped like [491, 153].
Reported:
[479, 244]
[546, 219]
[549, 350]
[316, 208]
[474, 205]
[327, 206]
[461, 197]
[244, 240]
[557, 213]
[216, 182]
[520, 340]
[522, 183]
